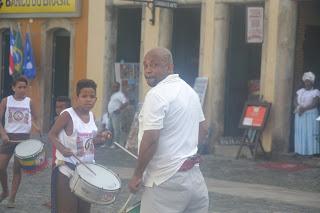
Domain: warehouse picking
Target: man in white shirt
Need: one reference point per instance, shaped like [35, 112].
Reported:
[171, 123]
[117, 103]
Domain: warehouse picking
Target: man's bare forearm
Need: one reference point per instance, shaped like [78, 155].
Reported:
[144, 158]
[147, 149]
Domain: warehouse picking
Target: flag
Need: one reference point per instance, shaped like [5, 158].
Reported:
[11, 60]
[29, 69]
[17, 53]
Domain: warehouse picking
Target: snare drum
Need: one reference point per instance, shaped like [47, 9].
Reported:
[101, 188]
[31, 156]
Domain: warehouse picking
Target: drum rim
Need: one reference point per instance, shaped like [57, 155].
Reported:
[30, 156]
[115, 190]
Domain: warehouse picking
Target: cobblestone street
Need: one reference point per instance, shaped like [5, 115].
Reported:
[234, 186]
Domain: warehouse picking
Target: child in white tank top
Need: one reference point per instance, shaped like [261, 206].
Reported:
[72, 134]
[19, 113]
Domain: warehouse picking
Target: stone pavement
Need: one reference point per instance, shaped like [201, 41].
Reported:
[234, 186]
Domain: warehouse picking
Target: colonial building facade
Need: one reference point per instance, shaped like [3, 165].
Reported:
[208, 38]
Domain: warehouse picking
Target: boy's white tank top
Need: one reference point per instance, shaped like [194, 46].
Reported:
[80, 140]
[18, 115]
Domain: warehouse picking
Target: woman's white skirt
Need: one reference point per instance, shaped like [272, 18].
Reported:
[306, 133]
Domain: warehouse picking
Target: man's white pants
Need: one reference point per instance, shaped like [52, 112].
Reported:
[185, 192]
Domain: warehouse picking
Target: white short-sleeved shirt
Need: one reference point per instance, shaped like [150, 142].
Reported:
[305, 97]
[174, 108]
[116, 100]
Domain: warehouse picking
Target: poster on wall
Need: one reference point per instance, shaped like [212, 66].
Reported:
[132, 139]
[200, 86]
[127, 74]
[254, 25]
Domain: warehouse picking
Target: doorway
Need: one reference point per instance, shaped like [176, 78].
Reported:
[60, 66]
[6, 79]
[243, 71]
[128, 55]
[186, 43]
[311, 49]
[128, 35]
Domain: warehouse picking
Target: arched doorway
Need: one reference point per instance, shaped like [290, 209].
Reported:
[60, 66]
[57, 37]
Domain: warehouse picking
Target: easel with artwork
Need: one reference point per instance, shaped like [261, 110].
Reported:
[253, 121]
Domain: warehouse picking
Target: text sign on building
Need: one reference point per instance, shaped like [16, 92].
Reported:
[40, 8]
[254, 26]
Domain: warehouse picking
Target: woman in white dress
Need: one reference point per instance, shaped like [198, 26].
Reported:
[306, 135]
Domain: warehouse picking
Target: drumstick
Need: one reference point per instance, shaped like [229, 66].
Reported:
[123, 208]
[84, 164]
[35, 126]
[16, 141]
[124, 149]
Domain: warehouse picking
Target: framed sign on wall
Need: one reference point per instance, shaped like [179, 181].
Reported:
[255, 115]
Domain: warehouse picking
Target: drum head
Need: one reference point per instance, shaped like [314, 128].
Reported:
[104, 178]
[28, 148]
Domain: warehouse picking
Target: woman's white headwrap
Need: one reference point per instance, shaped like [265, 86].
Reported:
[308, 76]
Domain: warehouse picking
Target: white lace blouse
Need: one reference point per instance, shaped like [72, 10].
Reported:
[305, 97]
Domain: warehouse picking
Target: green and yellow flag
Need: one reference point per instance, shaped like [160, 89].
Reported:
[17, 52]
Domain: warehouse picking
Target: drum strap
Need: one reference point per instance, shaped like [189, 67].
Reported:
[54, 175]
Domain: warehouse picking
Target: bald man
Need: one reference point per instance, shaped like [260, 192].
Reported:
[171, 123]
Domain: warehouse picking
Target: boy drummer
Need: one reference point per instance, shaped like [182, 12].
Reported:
[18, 111]
[70, 134]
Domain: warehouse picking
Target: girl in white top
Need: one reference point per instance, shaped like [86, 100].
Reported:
[71, 134]
[19, 113]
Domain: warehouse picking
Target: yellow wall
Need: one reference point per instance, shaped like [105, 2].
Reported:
[268, 67]
[149, 40]
[207, 51]
[81, 37]
[80, 50]
[96, 50]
